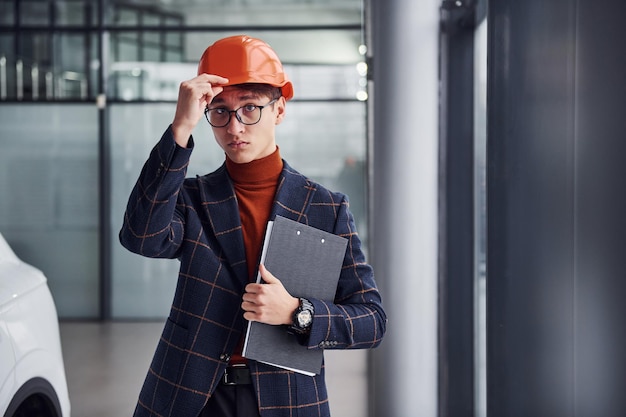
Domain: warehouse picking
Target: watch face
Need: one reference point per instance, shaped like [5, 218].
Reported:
[304, 318]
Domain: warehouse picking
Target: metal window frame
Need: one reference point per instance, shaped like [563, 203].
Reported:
[457, 236]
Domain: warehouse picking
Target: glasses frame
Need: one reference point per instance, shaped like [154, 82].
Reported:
[231, 112]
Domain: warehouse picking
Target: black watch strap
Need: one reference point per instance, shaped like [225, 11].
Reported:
[302, 317]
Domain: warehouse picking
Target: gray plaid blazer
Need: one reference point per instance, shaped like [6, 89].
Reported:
[196, 220]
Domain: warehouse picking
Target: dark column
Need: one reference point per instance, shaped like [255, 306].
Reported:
[600, 293]
[456, 383]
[556, 228]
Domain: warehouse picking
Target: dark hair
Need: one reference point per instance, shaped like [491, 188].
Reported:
[261, 89]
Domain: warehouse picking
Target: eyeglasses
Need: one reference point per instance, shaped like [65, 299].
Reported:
[250, 114]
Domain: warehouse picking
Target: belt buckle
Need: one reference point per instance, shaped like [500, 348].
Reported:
[229, 379]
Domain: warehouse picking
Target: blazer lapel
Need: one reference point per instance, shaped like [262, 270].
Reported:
[293, 195]
[219, 199]
[293, 198]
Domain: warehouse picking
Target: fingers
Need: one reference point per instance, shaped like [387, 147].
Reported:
[254, 306]
[212, 78]
[205, 87]
[267, 275]
[200, 91]
[261, 289]
[269, 302]
[193, 96]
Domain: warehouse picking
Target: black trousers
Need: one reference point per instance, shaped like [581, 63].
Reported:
[232, 401]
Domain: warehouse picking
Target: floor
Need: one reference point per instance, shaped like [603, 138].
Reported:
[106, 363]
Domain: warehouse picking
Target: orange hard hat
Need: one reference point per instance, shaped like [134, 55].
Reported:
[243, 59]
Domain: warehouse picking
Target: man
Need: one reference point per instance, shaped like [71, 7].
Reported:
[214, 224]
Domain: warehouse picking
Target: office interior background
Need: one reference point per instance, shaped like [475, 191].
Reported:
[480, 142]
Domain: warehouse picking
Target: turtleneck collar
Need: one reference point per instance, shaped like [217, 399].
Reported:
[259, 170]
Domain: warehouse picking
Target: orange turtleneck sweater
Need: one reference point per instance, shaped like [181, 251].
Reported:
[255, 187]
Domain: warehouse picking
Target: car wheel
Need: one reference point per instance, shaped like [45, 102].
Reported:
[36, 398]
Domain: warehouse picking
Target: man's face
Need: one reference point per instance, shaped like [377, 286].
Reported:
[245, 143]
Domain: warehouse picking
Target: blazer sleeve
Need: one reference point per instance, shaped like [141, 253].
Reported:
[356, 319]
[153, 223]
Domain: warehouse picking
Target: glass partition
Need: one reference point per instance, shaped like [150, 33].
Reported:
[239, 13]
[50, 53]
[50, 204]
[159, 81]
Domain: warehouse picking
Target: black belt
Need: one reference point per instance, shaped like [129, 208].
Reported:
[237, 375]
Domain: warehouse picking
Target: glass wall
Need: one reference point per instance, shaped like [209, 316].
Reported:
[50, 202]
[88, 94]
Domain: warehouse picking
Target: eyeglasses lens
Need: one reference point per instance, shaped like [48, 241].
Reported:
[247, 115]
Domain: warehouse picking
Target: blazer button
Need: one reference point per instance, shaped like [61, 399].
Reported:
[225, 357]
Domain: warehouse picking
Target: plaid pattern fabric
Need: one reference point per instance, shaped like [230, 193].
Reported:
[197, 221]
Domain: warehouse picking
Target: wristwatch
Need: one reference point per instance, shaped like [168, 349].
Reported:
[302, 317]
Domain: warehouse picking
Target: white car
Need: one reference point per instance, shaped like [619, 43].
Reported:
[32, 373]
